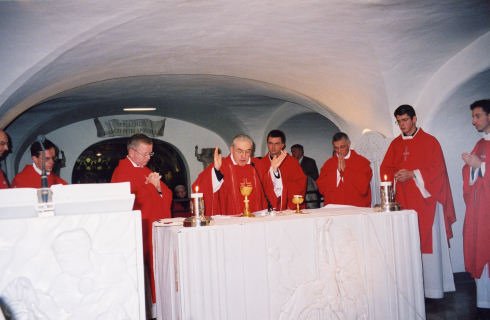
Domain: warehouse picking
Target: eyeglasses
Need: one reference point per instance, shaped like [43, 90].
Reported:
[147, 155]
[243, 152]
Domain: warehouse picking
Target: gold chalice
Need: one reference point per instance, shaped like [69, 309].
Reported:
[297, 200]
[246, 190]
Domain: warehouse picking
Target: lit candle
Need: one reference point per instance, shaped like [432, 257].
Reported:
[385, 183]
[386, 192]
[195, 198]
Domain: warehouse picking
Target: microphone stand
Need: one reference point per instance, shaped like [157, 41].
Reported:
[269, 205]
[44, 175]
[45, 208]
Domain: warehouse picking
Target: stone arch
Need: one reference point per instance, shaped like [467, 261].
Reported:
[97, 162]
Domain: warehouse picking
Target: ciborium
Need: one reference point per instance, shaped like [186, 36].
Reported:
[245, 190]
[297, 200]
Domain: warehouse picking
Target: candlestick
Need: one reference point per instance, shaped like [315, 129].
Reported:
[196, 197]
[387, 196]
[197, 206]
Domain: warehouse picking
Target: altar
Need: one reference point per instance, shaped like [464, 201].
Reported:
[332, 263]
[77, 257]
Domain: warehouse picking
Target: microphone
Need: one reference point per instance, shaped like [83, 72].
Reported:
[269, 205]
[44, 175]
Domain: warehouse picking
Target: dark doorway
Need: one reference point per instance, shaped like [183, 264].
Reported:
[97, 162]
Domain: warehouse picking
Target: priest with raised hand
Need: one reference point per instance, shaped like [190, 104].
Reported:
[220, 182]
[288, 177]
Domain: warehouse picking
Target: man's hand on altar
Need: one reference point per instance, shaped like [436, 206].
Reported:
[277, 160]
[217, 159]
[471, 160]
[154, 179]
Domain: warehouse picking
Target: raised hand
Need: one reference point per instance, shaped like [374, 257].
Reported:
[218, 159]
[277, 160]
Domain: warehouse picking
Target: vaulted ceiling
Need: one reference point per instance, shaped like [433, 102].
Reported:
[238, 62]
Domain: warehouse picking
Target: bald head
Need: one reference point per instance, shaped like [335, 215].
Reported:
[4, 143]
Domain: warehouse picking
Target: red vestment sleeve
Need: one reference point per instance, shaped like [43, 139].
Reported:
[3, 181]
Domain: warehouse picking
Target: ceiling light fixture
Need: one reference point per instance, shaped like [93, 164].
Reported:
[133, 109]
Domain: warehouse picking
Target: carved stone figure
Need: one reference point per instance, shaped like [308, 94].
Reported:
[206, 156]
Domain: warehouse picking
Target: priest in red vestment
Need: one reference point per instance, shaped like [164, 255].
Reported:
[345, 178]
[152, 196]
[220, 182]
[290, 177]
[30, 176]
[4, 147]
[476, 193]
[415, 162]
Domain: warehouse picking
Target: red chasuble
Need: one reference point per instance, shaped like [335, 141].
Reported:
[3, 181]
[293, 181]
[476, 230]
[228, 199]
[354, 187]
[153, 206]
[29, 178]
[422, 152]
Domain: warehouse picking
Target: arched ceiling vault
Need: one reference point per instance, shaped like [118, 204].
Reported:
[231, 62]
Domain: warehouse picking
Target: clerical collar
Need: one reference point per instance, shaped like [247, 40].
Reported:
[39, 171]
[410, 136]
[133, 163]
[486, 136]
[234, 162]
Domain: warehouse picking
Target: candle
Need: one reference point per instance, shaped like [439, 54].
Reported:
[385, 183]
[196, 197]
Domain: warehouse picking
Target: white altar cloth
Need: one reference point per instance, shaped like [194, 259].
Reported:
[343, 263]
[83, 262]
